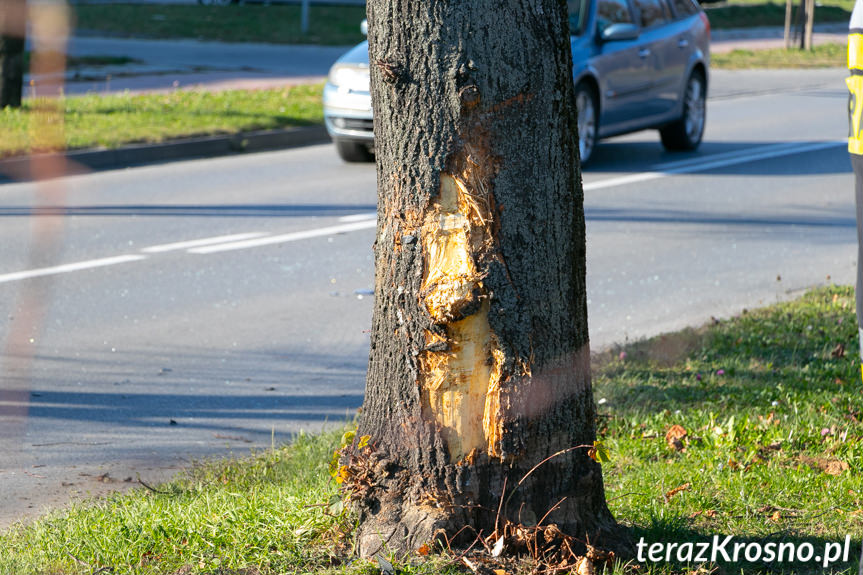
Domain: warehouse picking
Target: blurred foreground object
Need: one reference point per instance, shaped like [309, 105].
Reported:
[855, 143]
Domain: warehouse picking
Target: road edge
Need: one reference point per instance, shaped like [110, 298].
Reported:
[19, 167]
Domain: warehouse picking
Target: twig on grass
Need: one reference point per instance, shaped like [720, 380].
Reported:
[153, 489]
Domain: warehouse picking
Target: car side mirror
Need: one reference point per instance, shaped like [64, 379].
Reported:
[618, 32]
[364, 27]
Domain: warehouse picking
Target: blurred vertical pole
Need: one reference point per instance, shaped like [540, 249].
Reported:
[787, 36]
[14, 392]
[304, 17]
[49, 30]
[855, 144]
[13, 32]
[810, 24]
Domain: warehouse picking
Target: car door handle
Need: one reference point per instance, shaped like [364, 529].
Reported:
[682, 43]
[643, 53]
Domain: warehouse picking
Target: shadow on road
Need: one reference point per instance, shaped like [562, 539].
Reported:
[242, 393]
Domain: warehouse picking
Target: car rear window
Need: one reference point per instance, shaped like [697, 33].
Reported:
[684, 8]
[653, 12]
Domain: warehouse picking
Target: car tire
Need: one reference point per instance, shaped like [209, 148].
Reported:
[685, 134]
[588, 120]
[351, 151]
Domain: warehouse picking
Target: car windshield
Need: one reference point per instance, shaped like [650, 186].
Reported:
[577, 16]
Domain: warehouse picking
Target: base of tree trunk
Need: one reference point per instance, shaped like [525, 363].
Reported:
[391, 521]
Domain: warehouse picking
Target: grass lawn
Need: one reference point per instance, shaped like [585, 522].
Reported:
[750, 427]
[278, 24]
[111, 121]
[772, 409]
[340, 25]
[823, 56]
[749, 14]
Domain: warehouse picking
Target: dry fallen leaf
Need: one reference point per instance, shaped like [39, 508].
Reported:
[707, 513]
[676, 490]
[776, 517]
[674, 437]
[385, 566]
[585, 567]
[498, 548]
[423, 550]
[838, 351]
[835, 467]
[829, 466]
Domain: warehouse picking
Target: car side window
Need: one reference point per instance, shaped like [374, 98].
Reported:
[684, 8]
[612, 12]
[653, 12]
[577, 13]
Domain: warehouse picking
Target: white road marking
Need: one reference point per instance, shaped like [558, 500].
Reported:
[67, 268]
[359, 217]
[713, 162]
[202, 242]
[356, 222]
[292, 237]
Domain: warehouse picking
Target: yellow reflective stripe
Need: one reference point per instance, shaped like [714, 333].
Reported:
[855, 51]
[855, 114]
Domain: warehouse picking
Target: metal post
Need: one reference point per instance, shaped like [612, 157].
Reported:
[304, 17]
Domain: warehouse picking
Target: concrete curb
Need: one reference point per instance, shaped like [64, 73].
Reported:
[18, 168]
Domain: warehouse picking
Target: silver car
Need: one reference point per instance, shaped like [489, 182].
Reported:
[637, 65]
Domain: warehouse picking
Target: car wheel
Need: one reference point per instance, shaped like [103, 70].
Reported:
[686, 133]
[351, 151]
[588, 120]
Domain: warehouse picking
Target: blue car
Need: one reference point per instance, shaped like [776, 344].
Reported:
[637, 65]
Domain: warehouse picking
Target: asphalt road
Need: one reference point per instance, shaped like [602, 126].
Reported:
[130, 351]
[165, 65]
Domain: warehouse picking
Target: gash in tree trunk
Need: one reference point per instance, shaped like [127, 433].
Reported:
[479, 365]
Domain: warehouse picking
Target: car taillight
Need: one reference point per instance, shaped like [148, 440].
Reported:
[706, 24]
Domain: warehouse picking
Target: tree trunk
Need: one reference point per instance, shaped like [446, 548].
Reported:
[11, 71]
[479, 366]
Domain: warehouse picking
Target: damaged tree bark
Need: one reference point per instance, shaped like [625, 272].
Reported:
[479, 366]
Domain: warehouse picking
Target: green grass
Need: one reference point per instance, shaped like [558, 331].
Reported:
[749, 14]
[276, 512]
[339, 25]
[823, 56]
[278, 24]
[767, 399]
[767, 407]
[114, 120]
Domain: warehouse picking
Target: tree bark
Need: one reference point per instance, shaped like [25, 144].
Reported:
[11, 71]
[13, 17]
[479, 364]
